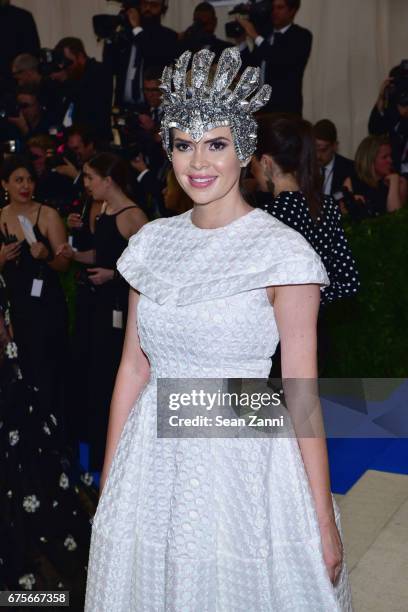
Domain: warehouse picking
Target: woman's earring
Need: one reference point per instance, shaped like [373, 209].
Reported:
[6, 195]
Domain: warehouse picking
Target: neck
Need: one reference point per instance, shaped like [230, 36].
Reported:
[116, 200]
[284, 182]
[20, 207]
[220, 212]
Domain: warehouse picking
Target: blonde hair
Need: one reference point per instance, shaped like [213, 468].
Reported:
[365, 158]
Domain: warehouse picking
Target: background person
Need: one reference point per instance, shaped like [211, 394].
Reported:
[147, 44]
[106, 178]
[31, 272]
[334, 167]
[18, 34]
[377, 188]
[282, 55]
[88, 89]
[201, 34]
[390, 115]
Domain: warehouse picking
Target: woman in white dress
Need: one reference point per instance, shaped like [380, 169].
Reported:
[214, 525]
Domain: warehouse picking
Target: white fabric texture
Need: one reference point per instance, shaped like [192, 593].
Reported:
[209, 525]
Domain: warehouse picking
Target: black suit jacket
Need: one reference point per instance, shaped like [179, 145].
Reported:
[214, 44]
[18, 34]
[343, 168]
[286, 61]
[92, 99]
[155, 47]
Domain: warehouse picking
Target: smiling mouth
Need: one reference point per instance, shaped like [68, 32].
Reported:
[201, 182]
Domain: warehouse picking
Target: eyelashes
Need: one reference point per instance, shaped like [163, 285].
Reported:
[214, 146]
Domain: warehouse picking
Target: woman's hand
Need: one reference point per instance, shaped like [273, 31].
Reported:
[39, 250]
[10, 251]
[74, 221]
[332, 548]
[394, 177]
[67, 169]
[100, 276]
[66, 250]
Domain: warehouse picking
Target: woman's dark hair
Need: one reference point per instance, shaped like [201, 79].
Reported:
[113, 166]
[12, 163]
[291, 143]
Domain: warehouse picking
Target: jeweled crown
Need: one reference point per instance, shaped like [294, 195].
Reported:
[203, 104]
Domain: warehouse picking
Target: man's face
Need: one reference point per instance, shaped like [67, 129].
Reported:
[403, 111]
[151, 9]
[207, 20]
[74, 70]
[152, 93]
[30, 108]
[325, 152]
[83, 151]
[282, 15]
[24, 77]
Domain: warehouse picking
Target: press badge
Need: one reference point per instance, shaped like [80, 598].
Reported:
[118, 319]
[37, 287]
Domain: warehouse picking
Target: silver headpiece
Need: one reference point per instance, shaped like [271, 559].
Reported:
[204, 104]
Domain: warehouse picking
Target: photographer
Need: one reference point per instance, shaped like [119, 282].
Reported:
[18, 34]
[201, 35]
[282, 53]
[390, 115]
[26, 70]
[80, 148]
[88, 88]
[32, 118]
[51, 188]
[143, 43]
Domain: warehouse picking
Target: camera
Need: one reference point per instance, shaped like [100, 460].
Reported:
[9, 107]
[52, 61]
[9, 147]
[397, 92]
[258, 13]
[196, 37]
[57, 158]
[114, 28]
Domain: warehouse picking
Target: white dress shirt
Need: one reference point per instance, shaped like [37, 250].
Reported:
[328, 177]
[131, 71]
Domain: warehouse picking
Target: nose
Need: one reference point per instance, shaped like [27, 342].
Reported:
[198, 160]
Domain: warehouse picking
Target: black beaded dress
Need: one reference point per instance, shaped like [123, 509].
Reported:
[46, 502]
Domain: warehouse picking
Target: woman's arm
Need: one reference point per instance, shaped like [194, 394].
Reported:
[394, 199]
[296, 310]
[56, 234]
[85, 257]
[132, 376]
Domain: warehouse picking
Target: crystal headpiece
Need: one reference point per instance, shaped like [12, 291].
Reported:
[204, 104]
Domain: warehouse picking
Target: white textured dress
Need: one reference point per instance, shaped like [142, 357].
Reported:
[209, 525]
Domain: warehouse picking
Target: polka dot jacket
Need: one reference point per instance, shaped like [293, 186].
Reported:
[326, 235]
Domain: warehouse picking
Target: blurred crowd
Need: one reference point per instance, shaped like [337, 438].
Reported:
[82, 169]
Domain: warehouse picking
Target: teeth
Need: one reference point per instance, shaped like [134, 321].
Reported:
[204, 180]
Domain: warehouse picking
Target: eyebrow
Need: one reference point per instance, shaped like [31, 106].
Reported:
[209, 141]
